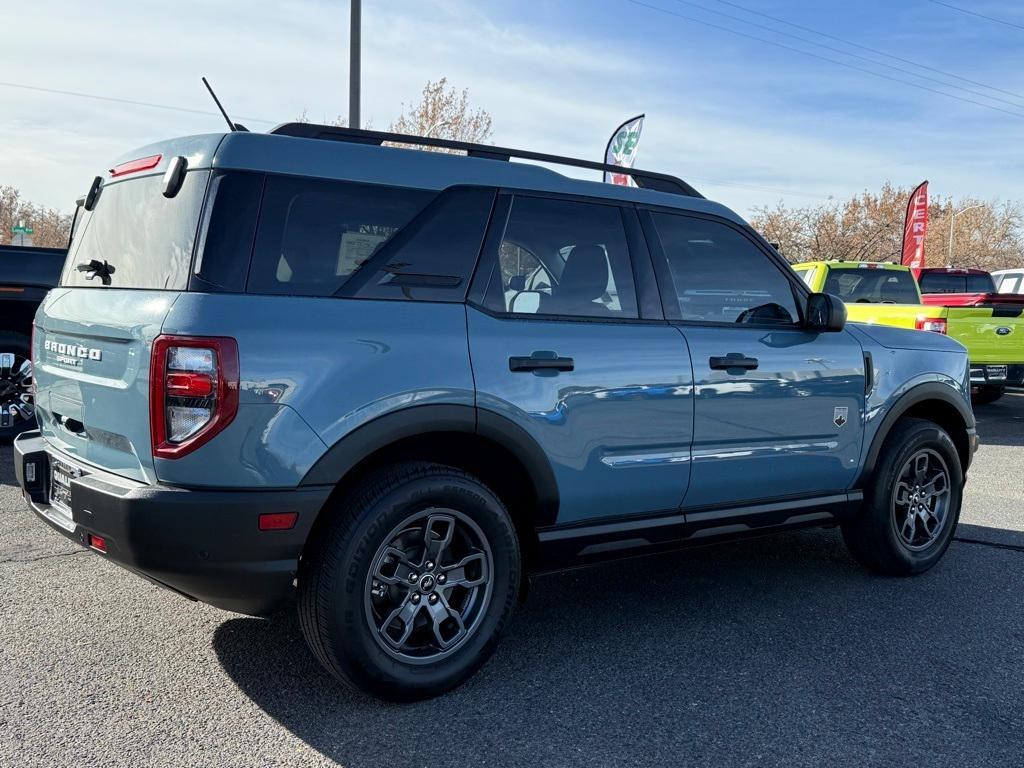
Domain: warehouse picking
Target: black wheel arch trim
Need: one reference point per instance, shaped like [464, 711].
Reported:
[915, 395]
[389, 428]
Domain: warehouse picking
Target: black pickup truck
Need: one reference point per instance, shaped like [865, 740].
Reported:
[26, 274]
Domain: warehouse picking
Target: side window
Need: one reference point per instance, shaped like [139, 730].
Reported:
[433, 258]
[314, 233]
[232, 207]
[561, 257]
[720, 276]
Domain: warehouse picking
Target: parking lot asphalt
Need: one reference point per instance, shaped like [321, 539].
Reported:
[778, 651]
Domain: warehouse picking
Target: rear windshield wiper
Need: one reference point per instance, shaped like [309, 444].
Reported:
[96, 268]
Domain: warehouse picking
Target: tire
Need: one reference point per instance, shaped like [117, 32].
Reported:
[18, 344]
[348, 589]
[878, 538]
[986, 394]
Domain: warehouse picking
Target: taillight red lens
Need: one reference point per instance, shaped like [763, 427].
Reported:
[134, 166]
[934, 324]
[189, 384]
[193, 392]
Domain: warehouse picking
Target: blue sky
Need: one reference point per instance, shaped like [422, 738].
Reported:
[747, 122]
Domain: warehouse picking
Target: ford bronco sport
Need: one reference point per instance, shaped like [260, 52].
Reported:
[393, 383]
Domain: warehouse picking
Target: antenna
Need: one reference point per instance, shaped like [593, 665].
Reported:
[231, 125]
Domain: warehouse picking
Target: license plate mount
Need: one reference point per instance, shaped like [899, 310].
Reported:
[61, 475]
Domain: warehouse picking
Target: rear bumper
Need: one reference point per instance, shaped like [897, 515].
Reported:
[203, 544]
[996, 374]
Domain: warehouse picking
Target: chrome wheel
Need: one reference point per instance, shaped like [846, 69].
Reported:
[920, 500]
[16, 406]
[429, 586]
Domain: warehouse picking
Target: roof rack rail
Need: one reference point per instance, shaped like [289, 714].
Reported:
[661, 182]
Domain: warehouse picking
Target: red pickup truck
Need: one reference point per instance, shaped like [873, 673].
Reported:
[952, 287]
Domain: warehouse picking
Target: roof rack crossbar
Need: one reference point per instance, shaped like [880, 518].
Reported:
[661, 182]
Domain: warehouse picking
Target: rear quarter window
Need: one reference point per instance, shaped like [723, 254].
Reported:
[314, 234]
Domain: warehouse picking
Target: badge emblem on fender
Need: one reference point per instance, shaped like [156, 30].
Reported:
[840, 415]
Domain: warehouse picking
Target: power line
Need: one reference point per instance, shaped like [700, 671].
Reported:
[841, 52]
[844, 41]
[132, 102]
[979, 15]
[825, 58]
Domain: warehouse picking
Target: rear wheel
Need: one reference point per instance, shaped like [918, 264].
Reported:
[406, 592]
[17, 410]
[912, 505]
[986, 394]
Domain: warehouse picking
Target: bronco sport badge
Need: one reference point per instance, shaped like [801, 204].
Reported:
[839, 415]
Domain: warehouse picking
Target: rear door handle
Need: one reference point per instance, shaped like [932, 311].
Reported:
[733, 360]
[525, 364]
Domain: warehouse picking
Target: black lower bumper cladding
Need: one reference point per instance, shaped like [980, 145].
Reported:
[204, 544]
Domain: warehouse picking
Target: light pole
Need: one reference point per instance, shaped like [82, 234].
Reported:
[951, 220]
[435, 126]
[353, 63]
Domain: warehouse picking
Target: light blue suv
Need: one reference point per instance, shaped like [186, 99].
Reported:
[393, 383]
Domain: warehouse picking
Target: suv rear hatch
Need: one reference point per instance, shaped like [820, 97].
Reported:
[130, 257]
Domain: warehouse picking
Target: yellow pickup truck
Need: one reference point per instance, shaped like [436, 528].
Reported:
[888, 294]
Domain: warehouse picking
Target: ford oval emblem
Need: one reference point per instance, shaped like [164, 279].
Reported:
[1003, 330]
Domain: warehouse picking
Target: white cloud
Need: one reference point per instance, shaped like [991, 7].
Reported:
[718, 111]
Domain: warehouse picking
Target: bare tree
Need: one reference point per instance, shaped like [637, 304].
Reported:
[444, 112]
[51, 227]
[869, 227]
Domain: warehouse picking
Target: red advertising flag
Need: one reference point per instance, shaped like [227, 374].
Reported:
[915, 227]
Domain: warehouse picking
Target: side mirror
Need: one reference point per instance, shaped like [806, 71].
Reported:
[825, 312]
[517, 283]
[525, 303]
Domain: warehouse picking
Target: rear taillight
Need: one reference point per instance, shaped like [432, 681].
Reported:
[193, 392]
[934, 324]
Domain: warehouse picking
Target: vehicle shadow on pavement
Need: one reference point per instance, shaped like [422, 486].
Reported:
[1002, 422]
[779, 650]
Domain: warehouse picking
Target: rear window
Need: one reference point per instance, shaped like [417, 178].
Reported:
[135, 237]
[944, 282]
[314, 234]
[872, 286]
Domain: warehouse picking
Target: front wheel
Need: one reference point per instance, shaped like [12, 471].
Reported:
[912, 504]
[405, 593]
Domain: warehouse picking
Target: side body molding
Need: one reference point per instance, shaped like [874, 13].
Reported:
[426, 419]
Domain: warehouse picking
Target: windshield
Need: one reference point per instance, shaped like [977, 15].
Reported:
[872, 286]
[135, 237]
[945, 282]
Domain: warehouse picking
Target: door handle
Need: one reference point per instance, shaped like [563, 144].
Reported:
[733, 360]
[523, 364]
